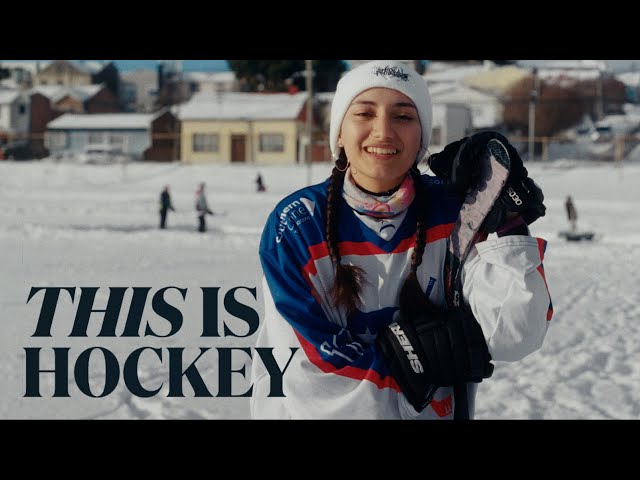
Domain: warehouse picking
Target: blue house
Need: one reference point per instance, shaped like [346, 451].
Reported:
[131, 133]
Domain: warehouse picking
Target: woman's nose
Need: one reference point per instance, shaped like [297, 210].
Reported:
[382, 127]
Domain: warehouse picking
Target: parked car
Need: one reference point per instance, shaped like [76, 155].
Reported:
[19, 150]
[103, 154]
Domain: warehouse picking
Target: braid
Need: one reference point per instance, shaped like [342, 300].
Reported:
[412, 299]
[345, 291]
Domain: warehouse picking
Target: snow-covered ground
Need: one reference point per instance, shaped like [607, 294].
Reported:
[96, 226]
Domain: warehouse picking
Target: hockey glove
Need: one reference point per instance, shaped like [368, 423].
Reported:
[459, 163]
[459, 166]
[442, 348]
[519, 196]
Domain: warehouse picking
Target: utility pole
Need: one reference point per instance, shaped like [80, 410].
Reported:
[599, 103]
[532, 113]
[309, 75]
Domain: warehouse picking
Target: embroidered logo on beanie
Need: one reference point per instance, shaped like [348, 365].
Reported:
[391, 71]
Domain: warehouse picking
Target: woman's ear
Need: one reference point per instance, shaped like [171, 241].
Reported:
[339, 143]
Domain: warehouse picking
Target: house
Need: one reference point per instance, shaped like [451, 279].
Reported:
[496, 81]
[131, 132]
[21, 73]
[631, 81]
[139, 90]
[165, 137]
[14, 115]
[211, 82]
[450, 122]
[50, 101]
[64, 72]
[449, 73]
[486, 109]
[259, 128]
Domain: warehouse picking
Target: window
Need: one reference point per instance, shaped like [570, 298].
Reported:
[57, 140]
[96, 137]
[271, 142]
[116, 139]
[205, 142]
[22, 109]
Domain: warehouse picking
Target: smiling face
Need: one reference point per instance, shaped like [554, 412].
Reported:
[381, 135]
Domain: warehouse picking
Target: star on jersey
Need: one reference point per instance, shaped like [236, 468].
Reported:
[367, 337]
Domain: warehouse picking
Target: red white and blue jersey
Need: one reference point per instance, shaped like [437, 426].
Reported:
[337, 370]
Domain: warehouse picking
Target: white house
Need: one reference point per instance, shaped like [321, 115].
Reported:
[451, 122]
[486, 109]
[212, 82]
[14, 113]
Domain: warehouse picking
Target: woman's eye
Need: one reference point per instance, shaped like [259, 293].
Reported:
[405, 117]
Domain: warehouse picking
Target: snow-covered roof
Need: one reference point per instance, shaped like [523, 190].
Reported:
[456, 93]
[631, 79]
[563, 69]
[78, 65]
[92, 67]
[9, 83]
[58, 92]
[201, 77]
[565, 64]
[443, 72]
[8, 96]
[103, 121]
[496, 80]
[29, 65]
[577, 74]
[324, 96]
[242, 106]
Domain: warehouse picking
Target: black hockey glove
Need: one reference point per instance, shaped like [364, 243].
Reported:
[459, 163]
[521, 196]
[459, 166]
[443, 348]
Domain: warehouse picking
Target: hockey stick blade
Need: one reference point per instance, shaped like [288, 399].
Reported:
[475, 208]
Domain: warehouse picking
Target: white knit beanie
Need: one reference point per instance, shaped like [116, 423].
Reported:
[381, 73]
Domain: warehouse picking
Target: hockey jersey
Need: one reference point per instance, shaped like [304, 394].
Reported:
[335, 370]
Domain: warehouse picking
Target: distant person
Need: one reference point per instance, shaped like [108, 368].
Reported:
[202, 208]
[165, 206]
[572, 214]
[260, 184]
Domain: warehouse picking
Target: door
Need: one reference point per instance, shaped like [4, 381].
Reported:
[238, 143]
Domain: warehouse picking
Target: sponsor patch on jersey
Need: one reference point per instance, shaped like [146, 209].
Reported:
[293, 215]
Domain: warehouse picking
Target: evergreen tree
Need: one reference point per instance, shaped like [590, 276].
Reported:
[278, 75]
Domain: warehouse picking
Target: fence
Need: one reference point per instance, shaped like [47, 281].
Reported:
[617, 149]
[610, 148]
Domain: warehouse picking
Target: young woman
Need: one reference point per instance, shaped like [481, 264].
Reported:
[353, 269]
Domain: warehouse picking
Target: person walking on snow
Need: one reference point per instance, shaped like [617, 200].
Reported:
[260, 184]
[202, 208]
[353, 268]
[165, 206]
[572, 214]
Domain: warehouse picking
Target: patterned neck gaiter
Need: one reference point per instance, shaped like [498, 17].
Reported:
[378, 206]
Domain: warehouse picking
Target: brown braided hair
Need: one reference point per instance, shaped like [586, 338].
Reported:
[412, 299]
[346, 289]
[349, 279]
